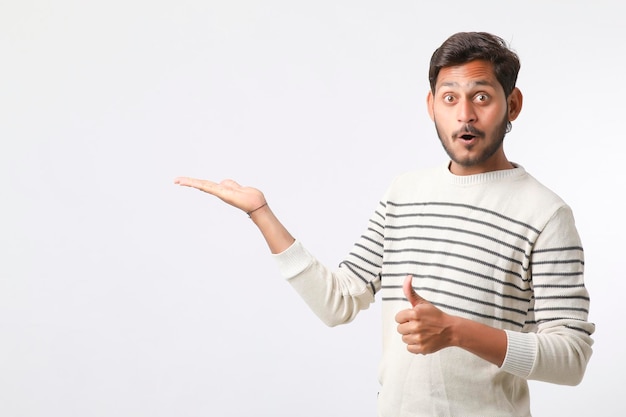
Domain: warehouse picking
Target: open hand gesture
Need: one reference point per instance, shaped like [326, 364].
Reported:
[247, 199]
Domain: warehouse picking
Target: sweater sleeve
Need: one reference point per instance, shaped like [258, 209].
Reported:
[335, 297]
[557, 345]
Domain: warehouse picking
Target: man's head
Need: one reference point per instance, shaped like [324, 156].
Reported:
[473, 99]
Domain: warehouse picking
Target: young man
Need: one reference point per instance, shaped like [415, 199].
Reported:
[479, 267]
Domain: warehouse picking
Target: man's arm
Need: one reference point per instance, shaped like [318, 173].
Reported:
[335, 296]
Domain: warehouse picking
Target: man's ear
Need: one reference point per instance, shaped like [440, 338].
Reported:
[515, 101]
[430, 101]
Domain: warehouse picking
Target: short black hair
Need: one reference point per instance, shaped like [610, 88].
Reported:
[464, 47]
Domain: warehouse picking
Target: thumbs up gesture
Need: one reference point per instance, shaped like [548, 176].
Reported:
[424, 328]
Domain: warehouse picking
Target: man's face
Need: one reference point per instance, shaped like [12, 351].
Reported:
[471, 114]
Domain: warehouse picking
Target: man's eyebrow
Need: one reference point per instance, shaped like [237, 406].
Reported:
[470, 84]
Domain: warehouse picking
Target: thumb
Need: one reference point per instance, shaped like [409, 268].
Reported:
[410, 293]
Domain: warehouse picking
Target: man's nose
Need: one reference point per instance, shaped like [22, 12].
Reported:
[466, 113]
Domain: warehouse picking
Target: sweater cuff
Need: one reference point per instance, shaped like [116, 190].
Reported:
[293, 260]
[520, 353]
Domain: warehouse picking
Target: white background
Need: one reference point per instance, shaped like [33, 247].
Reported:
[122, 294]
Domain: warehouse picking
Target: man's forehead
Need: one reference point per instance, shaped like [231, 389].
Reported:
[470, 75]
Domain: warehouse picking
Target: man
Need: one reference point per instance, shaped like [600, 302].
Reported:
[479, 267]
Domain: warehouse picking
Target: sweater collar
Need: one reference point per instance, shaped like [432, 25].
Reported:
[485, 177]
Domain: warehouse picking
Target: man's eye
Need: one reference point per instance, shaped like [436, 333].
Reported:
[448, 99]
[482, 97]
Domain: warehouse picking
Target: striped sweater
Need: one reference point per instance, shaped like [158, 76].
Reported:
[498, 248]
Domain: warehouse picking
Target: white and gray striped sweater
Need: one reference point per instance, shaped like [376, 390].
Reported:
[498, 248]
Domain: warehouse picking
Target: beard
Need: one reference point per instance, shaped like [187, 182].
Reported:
[497, 138]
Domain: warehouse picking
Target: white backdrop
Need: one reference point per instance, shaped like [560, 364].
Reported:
[122, 294]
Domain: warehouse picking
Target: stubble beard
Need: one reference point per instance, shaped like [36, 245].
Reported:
[487, 153]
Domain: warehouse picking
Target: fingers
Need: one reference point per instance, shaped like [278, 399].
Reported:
[206, 185]
[194, 183]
